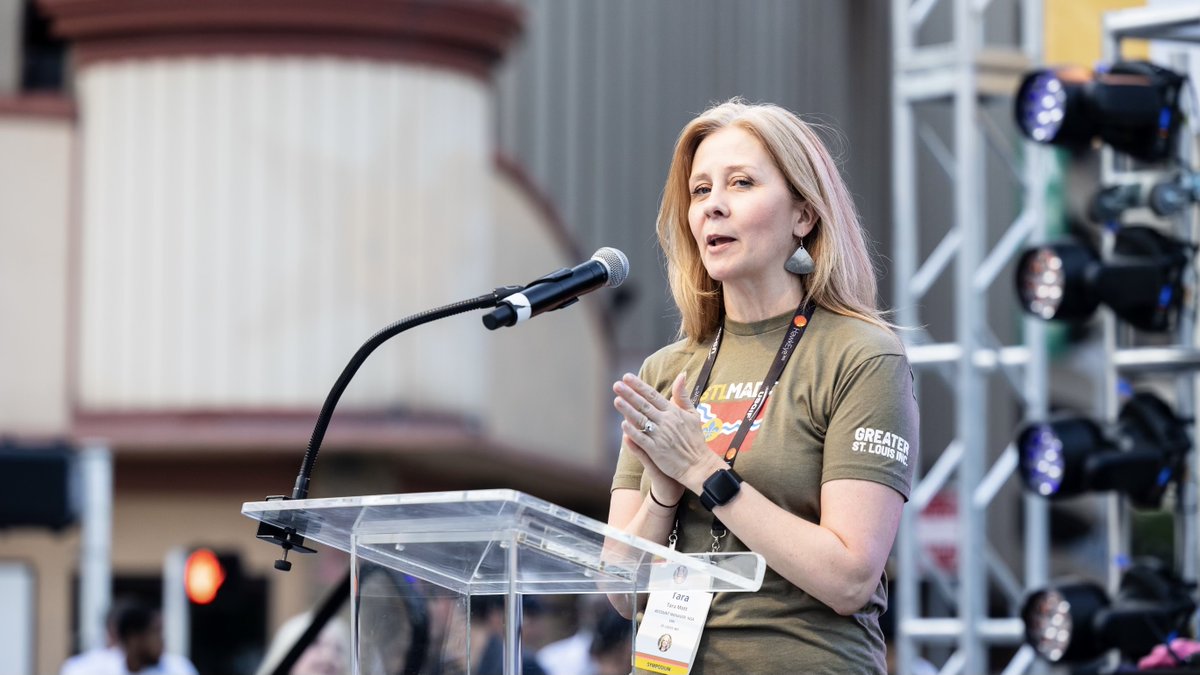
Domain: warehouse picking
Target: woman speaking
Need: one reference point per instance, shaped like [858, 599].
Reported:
[783, 421]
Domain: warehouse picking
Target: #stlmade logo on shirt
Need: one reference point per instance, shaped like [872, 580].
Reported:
[722, 410]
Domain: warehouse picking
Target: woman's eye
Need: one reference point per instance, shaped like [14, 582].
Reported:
[700, 190]
[742, 182]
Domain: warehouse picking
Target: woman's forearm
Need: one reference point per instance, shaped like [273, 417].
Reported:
[838, 562]
[639, 516]
[648, 520]
[804, 553]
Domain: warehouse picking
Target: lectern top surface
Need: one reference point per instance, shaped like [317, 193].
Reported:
[499, 541]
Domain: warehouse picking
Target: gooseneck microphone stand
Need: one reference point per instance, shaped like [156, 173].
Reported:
[286, 537]
[568, 285]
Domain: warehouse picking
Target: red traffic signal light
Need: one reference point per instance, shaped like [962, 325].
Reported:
[203, 575]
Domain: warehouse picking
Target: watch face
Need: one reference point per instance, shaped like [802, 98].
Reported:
[721, 487]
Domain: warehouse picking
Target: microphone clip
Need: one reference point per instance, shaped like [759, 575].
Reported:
[283, 537]
[502, 292]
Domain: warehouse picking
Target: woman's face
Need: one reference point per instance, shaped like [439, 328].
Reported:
[742, 214]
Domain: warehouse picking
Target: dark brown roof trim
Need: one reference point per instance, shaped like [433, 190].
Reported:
[468, 35]
[42, 106]
[269, 429]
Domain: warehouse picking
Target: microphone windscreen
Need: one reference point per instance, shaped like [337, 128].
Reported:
[615, 262]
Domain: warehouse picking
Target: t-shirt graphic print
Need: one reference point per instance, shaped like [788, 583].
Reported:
[723, 408]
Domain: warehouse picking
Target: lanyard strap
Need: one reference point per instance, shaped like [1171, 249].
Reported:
[791, 339]
[795, 331]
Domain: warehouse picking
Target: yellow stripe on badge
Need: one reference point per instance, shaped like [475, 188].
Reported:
[660, 665]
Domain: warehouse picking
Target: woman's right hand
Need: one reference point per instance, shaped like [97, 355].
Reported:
[665, 489]
[665, 433]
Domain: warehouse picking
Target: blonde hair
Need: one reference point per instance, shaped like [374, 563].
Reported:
[844, 279]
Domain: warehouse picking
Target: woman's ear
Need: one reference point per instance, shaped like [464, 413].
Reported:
[806, 219]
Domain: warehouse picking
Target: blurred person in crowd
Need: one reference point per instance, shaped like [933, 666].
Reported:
[611, 648]
[445, 639]
[451, 632]
[1175, 654]
[329, 654]
[92, 659]
[764, 247]
[487, 639]
[537, 627]
[571, 655]
[136, 631]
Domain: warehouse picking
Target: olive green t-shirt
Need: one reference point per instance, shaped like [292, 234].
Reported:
[844, 408]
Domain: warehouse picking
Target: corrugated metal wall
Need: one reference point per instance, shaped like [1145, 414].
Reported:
[592, 98]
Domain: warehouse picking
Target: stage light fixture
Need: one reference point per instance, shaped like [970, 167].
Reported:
[1142, 282]
[1165, 197]
[1076, 622]
[1132, 106]
[1138, 457]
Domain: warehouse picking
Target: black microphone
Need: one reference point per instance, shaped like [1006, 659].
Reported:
[607, 267]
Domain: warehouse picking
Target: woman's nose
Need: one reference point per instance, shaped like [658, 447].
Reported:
[715, 205]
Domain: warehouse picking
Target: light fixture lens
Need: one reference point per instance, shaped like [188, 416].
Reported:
[1048, 624]
[1042, 282]
[1042, 107]
[1042, 459]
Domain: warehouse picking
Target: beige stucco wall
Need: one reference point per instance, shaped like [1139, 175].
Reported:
[53, 559]
[249, 221]
[35, 190]
[550, 375]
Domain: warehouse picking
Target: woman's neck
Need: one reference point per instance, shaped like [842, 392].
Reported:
[749, 303]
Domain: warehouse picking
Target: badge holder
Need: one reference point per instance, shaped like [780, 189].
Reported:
[673, 621]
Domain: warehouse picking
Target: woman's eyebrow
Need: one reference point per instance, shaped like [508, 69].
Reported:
[727, 169]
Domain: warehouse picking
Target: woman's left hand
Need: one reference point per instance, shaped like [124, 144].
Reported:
[666, 431]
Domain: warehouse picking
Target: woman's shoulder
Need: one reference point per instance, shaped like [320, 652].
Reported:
[855, 338]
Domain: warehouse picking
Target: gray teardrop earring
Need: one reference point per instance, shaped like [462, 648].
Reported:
[801, 262]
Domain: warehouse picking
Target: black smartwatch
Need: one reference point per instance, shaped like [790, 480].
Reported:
[720, 487]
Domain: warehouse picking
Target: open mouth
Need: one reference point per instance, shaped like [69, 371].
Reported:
[713, 240]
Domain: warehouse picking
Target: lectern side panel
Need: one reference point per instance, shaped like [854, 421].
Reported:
[405, 625]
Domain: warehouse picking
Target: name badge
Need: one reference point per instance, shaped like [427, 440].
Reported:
[672, 622]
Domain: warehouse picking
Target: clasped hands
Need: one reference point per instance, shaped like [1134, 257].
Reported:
[665, 435]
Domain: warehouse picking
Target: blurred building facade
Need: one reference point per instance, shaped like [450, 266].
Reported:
[216, 205]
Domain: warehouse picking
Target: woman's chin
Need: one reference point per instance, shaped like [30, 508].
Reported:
[720, 272]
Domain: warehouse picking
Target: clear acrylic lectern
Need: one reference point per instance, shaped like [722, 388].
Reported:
[421, 558]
